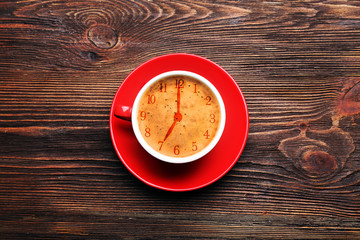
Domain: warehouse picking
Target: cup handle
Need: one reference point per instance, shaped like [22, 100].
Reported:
[123, 112]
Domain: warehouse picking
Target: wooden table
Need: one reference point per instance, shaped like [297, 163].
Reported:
[297, 63]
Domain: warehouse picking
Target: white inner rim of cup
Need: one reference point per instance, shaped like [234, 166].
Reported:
[166, 158]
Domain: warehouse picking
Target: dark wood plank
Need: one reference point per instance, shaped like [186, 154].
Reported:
[297, 63]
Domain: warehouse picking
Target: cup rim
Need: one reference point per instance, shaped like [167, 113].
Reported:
[161, 156]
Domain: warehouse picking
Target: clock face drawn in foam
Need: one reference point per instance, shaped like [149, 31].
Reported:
[180, 116]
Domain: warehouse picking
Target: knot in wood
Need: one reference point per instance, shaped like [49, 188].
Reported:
[102, 36]
[318, 162]
[350, 102]
[303, 126]
[319, 154]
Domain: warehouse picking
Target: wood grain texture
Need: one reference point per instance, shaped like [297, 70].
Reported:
[297, 63]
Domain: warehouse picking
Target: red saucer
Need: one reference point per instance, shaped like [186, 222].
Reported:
[193, 175]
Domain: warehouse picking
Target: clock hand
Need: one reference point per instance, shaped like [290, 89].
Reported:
[178, 99]
[177, 118]
[170, 130]
[177, 115]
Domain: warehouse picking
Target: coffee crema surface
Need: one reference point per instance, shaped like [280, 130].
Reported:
[178, 116]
